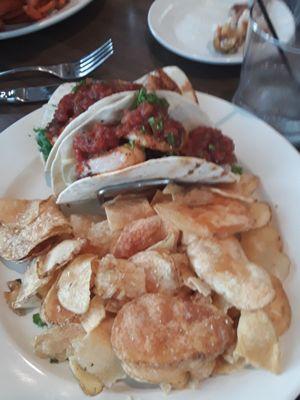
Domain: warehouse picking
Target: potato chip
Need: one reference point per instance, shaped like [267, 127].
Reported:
[125, 209]
[81, 224]
[194, 197]
[95, 355]
[74, 284]
[245, 186]
[170, 241]
[31, 283]
[162, 274]
[257, 341]
[11, 296]
[261, 214]
[89, 383]
[173, 189]
[198, 285]
[160, 197]
[231, 194]
[118, 278]
[220, 302]
[228, 218]
[18, 213]
[56, 342]
[52, 312]
[99, 235]
[94, 315]
[279, 310]
[20, 239]
[222, 367]
[58, 256]
[138, 236]
[263, 247]
[222, 264]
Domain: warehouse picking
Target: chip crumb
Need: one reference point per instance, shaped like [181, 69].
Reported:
[166, 388]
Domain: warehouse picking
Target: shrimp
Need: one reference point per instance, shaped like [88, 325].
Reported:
[119, 158]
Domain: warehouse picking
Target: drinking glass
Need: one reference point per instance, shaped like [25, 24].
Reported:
[270, 82]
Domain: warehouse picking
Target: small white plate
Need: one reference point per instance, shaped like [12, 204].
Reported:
[23, 29]
[263, 151]
[187, 28]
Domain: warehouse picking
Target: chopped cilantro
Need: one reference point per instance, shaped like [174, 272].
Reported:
[159, 124]
[77, 86]
[37, 320]
[237, 169]
[151, 98]
[143, 129]
[211, 147]
[171, 139]
[44, 145]
[151, 121]
[132, 144]
[53, 361]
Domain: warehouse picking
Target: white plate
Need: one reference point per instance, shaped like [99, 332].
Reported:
[23, 29]
[261, 149]
[187, 28]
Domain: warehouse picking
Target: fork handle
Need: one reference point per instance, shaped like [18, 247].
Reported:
[37, 68]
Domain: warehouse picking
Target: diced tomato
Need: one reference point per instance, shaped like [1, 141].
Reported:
[95, 140]
[86, 94]
[210, 144]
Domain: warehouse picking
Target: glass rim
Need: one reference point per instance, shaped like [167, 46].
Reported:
[269, 38]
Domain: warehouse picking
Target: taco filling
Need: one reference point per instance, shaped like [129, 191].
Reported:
[146, 131]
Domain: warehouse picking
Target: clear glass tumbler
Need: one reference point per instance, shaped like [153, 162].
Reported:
[269, 87]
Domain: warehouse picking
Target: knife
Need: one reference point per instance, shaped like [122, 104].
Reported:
[32, 94]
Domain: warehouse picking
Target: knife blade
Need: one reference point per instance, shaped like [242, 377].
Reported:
[32, 94]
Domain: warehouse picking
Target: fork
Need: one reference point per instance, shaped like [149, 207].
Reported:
[72, 70]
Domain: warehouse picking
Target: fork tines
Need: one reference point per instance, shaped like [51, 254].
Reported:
[94, 59]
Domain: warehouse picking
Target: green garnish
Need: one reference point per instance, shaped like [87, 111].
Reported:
[211, 147]
[237, 169]
[151, 122]
[77, 86]
[37, 320]
[159, 124]
[131, 144]
[44, 145]
[171, 139]
[143, 129]
[53, 361]
[144, 97]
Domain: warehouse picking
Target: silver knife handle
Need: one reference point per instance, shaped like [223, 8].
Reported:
[27, 94]
[9, 96]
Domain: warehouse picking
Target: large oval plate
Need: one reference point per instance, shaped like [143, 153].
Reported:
[23, 29]
[261, 149]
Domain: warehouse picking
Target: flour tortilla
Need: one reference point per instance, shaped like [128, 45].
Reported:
[176, 74]
[186, 169]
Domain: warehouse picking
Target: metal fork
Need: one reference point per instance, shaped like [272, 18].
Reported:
[73, 70]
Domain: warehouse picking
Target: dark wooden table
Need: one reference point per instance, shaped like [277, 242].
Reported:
[136, 52]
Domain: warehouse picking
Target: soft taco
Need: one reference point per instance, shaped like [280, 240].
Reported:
[67, 106]
[140, 135]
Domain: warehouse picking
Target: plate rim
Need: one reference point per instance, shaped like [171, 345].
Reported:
[45, 23]
[217, 61]
[202, 95]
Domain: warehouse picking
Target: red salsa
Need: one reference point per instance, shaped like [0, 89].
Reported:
[84, 95]
[149, 118]
[210, 144]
